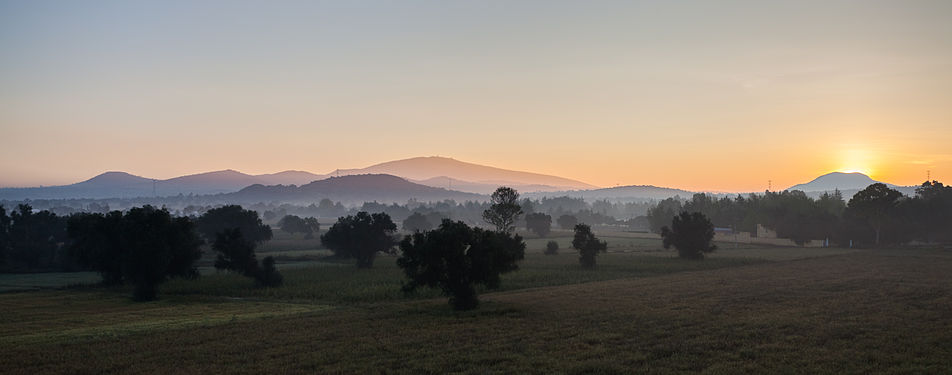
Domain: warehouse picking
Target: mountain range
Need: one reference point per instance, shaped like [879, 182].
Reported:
[422, 178]
[438, 172]
[351, 189]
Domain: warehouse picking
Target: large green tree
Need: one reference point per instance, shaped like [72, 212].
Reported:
[96, 243]
[417, 222]
[144, 247]
[4, 234]
[216, 220]
[588, 245]
[932, 211]
[456, 258]
[504, 209]
[877, 205]
[35, 237]
[661, 214]
[539, 223]
[690, 233]
[235, 253]
[567, 221]
[361, 237]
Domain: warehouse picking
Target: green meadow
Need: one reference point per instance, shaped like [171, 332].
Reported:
[743, 309]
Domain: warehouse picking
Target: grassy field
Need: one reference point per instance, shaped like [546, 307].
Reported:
[743, 309]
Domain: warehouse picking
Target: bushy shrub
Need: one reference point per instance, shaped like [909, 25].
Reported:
[551, 248]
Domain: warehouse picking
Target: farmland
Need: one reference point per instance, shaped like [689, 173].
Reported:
[743, 309]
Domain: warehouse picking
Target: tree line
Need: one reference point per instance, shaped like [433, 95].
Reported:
[876, 215]
[145, 246]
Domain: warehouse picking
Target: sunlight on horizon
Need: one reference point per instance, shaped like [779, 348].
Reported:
[628, 93]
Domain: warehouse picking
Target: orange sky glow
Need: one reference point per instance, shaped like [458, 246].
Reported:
[696, 95]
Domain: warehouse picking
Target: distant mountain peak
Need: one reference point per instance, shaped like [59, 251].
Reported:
[424, 168]
[354, 189]
[837, 181]
[114, 177]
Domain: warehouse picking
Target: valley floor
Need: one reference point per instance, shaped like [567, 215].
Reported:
[873, 311]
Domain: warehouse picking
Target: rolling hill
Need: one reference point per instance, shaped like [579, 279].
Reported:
[472, 176]
[837, 180]
[351, 189]
[481, 187]
[847, 183]
[106, 185]
[436, 172]
[125, 185]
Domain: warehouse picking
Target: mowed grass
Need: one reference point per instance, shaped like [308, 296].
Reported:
[742, 309]
[340, 282]
[75, 316]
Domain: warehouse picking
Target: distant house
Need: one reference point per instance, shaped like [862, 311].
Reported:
[763, 232]
[723, 230]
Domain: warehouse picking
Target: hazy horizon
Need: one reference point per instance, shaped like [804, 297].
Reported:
[358, 171]
[695, 95]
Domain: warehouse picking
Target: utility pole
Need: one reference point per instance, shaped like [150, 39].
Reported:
[769, 185]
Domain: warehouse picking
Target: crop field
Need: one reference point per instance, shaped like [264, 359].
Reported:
[743, 309]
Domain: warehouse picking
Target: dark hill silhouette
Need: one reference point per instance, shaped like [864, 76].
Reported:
[225, 181]
[847, 183]
[352, 188]
[431, 171]
[424, 168]
[837, 180]
[115, 179]
[106, 185]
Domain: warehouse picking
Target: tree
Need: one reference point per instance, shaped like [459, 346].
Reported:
[504, 209]
[144, 247]
[268, 274]
[235, 253]
[931, 210]
[96, 243]
[312, 225]
[455, 258]
[539, 223]
[216, 220]
[691, 234]
[662, 214]
[156, 247]
[877, 205]
[417, 222]
[551, 248]
[4, 234]
[34, 237]
[588, 245]
[294, 224]
[361, 236]
[567, 222]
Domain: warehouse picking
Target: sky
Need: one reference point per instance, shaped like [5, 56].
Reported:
[702, 95]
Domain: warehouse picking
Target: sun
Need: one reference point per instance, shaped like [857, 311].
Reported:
[854, 170]
[856, 160]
